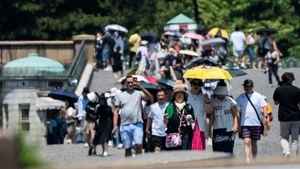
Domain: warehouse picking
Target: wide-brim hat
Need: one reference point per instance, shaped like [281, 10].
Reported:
[179, 87]
[221, 91]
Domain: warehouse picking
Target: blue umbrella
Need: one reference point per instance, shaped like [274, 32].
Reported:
[63, 95]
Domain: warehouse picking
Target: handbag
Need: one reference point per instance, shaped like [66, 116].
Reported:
[198, 141]
[174, 139]
[261, 123]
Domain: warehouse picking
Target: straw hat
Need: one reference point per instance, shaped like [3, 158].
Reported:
[179, 87]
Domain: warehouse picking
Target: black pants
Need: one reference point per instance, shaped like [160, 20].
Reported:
[223, 141]
[273, 70]
[156, 141]
[131, 56]
[187, 141]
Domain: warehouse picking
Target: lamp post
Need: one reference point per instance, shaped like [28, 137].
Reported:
[196, 12]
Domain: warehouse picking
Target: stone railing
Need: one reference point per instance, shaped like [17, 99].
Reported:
[62, 51]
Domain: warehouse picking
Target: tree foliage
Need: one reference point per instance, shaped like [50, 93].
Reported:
[60, 19]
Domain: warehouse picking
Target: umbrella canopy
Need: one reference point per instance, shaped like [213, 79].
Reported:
[149, 36]
[223, 33]
[44, 103]
[116, 27]
[199, 61]
[138, 77]
[63, 95]
[188, 52]
[266, 30]
[181, 19]
[134, 38]
[192, 35]
[166, 83]
[212, 41]
[210, 73]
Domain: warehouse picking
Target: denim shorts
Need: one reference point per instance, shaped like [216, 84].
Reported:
[131, 134]
[238, 53]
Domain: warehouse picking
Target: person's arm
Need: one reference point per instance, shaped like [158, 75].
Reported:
[115, 119]
[274, 44]
[148, 125]
[275, 97]
[148, 96]
[235, 117]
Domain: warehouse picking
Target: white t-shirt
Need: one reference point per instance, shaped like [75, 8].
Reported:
[156, 113]
[196, 101]
[238, 39]
[248, 114]
[222, 113]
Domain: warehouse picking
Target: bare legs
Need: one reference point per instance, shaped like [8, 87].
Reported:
[250, 149]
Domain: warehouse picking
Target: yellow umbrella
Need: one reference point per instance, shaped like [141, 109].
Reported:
[211, 73]
[214, 31]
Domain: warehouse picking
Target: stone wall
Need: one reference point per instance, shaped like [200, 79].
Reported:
[62, 51]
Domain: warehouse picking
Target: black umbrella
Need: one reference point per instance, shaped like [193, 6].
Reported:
[151, 37]
[266, 31]
[199, 61]
[63, 95]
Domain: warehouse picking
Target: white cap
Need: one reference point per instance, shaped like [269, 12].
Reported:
[92, 96]
[144, 42]
[114, 91]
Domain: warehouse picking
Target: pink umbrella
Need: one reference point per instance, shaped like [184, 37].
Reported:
[193, 36]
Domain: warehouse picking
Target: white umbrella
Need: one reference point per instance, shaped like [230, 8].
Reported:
[116, 27]
[188, 52]
[212, 41]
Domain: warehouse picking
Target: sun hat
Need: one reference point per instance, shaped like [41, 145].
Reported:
[179, 87]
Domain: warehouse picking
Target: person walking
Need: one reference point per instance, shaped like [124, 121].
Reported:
[70, 116]
[81, 113]
[224, 112]
[91, 118]
[130, 104]
[179, 118]
[238, 40]
[197, 99]
[251, 104]
[287, 96]
[250, 49]
[272, 60]
[104, 124]
[155, 124]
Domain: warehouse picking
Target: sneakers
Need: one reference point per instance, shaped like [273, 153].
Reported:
[110, 143]
[86, 145]
[105, 154]
[120, 146]
[69, 141]
[287, 154]
[108, 68]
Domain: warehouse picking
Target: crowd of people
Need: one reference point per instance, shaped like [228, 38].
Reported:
[193, 113]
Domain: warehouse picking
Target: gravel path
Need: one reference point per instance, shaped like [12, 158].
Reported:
[64, 156]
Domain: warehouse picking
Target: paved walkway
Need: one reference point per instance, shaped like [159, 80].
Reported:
[64, 156]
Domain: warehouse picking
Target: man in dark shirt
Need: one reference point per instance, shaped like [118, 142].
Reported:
[288, 98]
